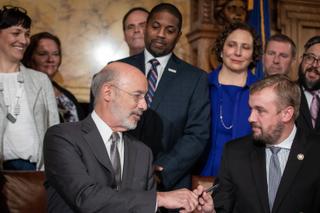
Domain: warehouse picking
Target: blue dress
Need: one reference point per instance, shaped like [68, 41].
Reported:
[229, 116]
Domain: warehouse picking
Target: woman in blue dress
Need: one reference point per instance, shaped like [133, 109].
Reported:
[237, 49]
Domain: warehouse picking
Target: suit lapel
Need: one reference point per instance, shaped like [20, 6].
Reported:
[30, 87]
[258, 166]
[305, 111]
[170, 72]
[95, 142]
[292, 167]
[129, 157]
[138, 61]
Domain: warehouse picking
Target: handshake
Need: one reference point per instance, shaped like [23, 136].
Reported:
[198, 200]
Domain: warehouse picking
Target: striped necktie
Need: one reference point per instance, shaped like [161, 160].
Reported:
[314, 107]
[115, 157]
[152, 80]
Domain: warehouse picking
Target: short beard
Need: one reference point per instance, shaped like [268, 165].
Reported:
[308, 85]
[271, 138]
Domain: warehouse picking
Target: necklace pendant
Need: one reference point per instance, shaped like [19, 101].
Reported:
[11, 118]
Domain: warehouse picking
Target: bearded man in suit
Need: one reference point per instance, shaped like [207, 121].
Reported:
[94, 166]
[309, 80]
[274, 169]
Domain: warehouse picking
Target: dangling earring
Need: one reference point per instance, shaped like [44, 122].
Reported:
[221, 55]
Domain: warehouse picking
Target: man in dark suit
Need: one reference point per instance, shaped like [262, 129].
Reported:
[93, 166]
[176, 124]
[309, 80]
[274, 170]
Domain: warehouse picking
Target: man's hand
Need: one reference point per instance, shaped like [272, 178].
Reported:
[205, 201]
[183, 199]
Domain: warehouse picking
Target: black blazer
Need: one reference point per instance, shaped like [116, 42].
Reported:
[244, 183]
[304, 119]
[80, 177]
[176, 126]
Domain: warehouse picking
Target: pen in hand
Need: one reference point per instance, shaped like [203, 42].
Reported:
[213, 188]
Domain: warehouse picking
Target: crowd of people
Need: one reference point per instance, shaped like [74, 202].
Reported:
[157, 120]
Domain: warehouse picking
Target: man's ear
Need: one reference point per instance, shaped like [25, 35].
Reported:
[287, 114]
[106, 92]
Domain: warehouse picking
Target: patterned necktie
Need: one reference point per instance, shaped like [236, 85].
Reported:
[152, 80]
[274, 175]
[115, 157]
[314, 107]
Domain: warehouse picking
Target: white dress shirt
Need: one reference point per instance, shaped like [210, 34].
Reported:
[283, 154]
[106, 132]
[163, 60]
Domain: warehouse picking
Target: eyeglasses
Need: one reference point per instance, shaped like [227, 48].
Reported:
[309, 58]
[13, 8]
[136, 97]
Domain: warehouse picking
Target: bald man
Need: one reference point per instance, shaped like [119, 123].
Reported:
[93, 166]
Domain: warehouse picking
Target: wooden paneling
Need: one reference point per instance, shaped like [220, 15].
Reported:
[300, 20]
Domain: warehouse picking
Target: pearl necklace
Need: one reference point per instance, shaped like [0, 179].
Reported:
[221, 119]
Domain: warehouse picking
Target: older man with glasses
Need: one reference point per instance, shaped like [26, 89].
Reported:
[309, 80]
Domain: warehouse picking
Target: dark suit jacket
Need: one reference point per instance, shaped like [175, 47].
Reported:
[176, 126]
[244, 183]
[80, 177]
[304, 119]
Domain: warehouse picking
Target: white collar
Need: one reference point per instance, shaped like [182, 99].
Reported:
[103, 128]
[163, 60]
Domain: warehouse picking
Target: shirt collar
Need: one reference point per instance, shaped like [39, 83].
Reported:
[287, 143]
[163, 60]
[103, 128]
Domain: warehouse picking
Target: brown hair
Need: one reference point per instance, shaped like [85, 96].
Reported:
[257, 47]
[285, 39]
[288, 92]
[34, 42]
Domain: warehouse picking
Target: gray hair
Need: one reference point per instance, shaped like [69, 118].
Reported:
[106, 75]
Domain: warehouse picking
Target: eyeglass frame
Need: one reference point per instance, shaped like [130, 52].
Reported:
[136, 97]
[314, 58]
[10, 7]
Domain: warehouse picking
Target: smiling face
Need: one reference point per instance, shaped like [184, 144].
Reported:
[13, 43]
[237, 51]
[46, 57]
[278, 58]
[309, 70]
[162, 33]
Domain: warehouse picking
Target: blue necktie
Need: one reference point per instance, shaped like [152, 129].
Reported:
[274, 175]
[152, 80]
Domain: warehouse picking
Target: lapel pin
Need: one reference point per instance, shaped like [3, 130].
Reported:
[172, 70]
[300, 156]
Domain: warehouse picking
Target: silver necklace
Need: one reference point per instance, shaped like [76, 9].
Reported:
[12, 117]
[221, 119]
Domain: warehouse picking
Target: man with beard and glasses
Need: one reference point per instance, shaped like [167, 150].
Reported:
[309, 80]
[177, 122]
[272, 170]
[94, 166]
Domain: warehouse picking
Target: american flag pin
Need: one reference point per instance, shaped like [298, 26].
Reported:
[172, 70]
